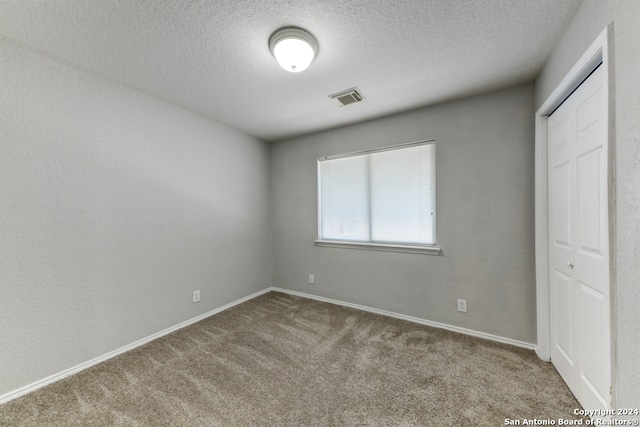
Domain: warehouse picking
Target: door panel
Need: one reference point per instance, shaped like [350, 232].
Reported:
[593, 315]
[561, 198]
[588, 199]
[579, 244]
[588, 112]
[562, 309]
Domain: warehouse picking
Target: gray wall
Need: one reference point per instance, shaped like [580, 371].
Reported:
[590, 20]
[485, 152]
[114, 207]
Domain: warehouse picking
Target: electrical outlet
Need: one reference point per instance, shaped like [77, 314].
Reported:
[312, 279]
[462, 305]
[196, 296]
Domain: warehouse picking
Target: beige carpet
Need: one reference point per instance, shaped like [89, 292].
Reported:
[280, 360]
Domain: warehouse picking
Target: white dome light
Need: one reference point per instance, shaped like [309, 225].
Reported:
[294, 48]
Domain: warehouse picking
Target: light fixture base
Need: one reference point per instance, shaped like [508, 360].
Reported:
[294, 38]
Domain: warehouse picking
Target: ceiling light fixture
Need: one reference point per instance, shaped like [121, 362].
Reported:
[294, 48]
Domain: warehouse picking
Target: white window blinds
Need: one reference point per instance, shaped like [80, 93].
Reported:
[381, 196]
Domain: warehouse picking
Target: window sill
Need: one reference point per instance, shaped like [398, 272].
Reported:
[423, 250]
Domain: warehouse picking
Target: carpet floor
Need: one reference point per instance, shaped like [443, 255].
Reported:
[280, 360]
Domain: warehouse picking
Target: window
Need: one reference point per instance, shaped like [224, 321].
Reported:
[379, 199]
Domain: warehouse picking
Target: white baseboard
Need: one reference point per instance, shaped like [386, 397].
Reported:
[452, 328]
[81, 367]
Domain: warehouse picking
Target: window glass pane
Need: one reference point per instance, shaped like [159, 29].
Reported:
[344, 199]
[386, 196]
[428, 194]
[401, 208]
[394, 197]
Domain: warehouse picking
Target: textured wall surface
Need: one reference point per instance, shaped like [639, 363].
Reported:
[627, 95]
[590, 20]
[588, 23]
[114, 207]
[484, 152]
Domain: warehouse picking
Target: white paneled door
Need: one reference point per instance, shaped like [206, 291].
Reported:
[579, 243]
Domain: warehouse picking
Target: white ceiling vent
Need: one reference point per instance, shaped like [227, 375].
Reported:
[346, 97]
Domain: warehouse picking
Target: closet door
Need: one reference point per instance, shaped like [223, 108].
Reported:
[579, 243]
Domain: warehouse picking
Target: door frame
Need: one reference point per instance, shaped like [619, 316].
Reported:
[600, 51]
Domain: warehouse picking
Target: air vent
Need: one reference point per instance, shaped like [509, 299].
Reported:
[346, 97]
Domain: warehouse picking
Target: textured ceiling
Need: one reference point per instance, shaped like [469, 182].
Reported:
[212, 56]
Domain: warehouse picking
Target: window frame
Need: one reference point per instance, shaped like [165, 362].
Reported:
[425, 249]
